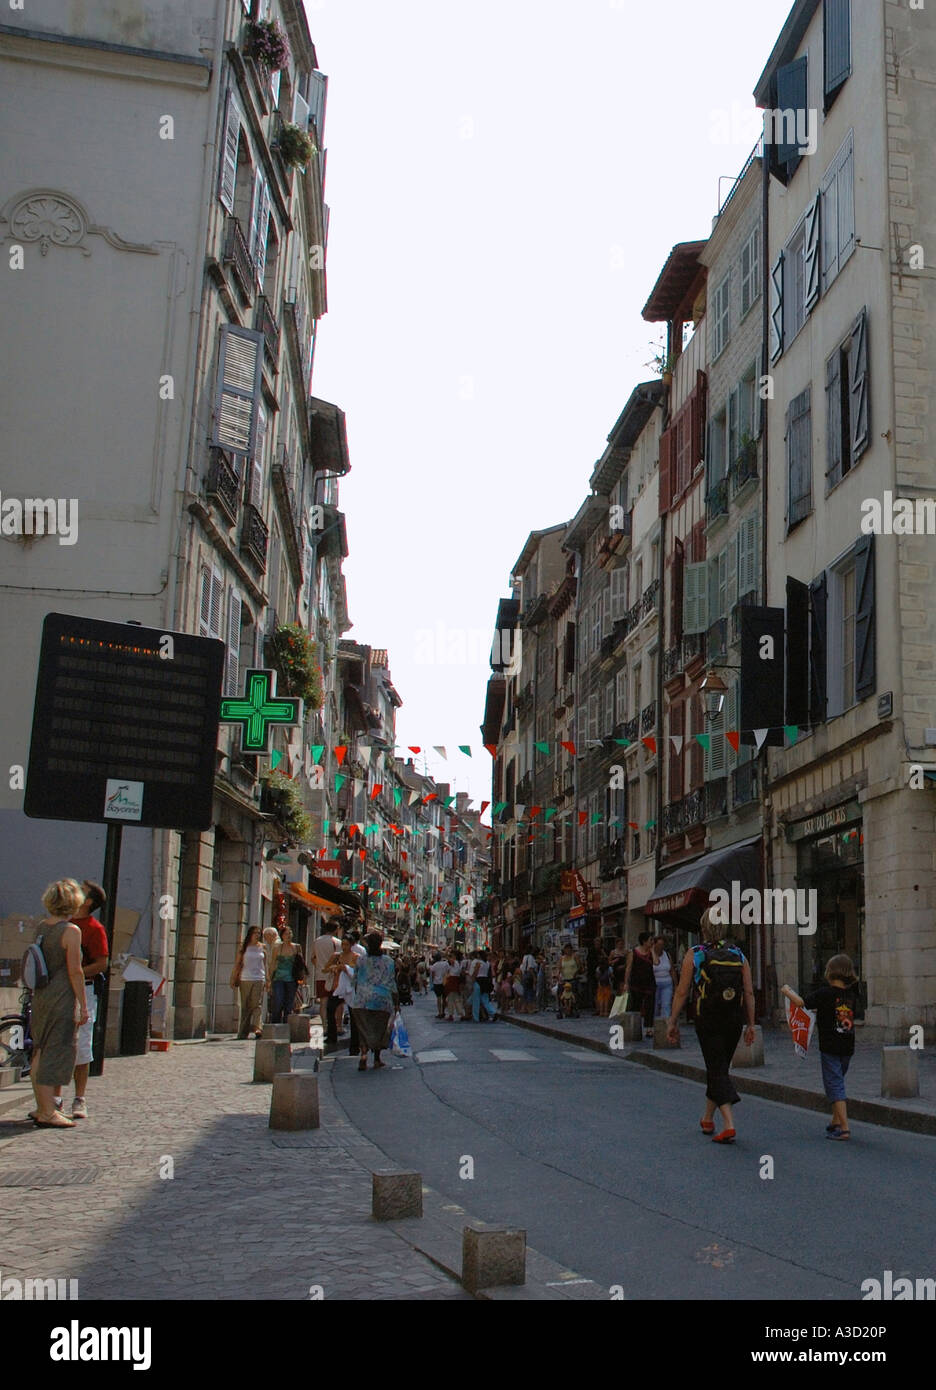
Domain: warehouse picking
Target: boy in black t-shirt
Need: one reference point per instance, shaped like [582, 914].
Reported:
[835, 1004]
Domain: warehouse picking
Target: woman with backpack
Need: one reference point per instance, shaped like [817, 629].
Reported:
[724, 998]
[55, 1001]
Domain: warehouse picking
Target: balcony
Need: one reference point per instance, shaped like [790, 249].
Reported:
[632, 729]
[635, 844]
[747, 600]
[744, 468]
[649, 599]
[254, 536]
[612, 860]
[716, 798]
[510, 723]
[525, 697]
[223, 484]
[716, 503]
[265, 323]
[632, 617]
[744, 784]
[296, 318]
[673, 818]
[521, 885]
[281, 477]
[524, 789]
[237, 255]
[648, 718]
[694, 804]
[716, 640]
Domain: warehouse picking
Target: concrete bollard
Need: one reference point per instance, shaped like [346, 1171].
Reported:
[752, 1056]
[276, 1032]
[631, 1026]
[900, 1072]
[492, 1256]
[396, 1196]
[9, 1076]
[295, 1101]
[300, 1028]
[271, 1057]
[659, 1035]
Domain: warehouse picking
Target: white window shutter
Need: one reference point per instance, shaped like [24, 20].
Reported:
[618, 593]
[229, 143]
[606, 610]
[300, 111]
[262, 227]
[232, 667]
[776, 308]
[238, 388]
[211, 606]
[732, 576]
[811, 257]
[695, 598]
[204, 603]
[845, 180]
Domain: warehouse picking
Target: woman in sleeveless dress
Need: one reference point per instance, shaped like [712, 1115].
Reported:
[60, 1008]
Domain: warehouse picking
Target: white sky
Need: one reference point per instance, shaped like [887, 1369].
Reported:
[506, 179]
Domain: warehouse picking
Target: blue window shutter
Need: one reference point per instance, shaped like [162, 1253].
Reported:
[833, 386]
[811, 252]
[858, 386]
[776, 308]
[864, 618]
[836, 46]
[791, 96]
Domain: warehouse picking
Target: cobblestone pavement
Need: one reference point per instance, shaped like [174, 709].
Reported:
[248, 1213]
[781, 1064]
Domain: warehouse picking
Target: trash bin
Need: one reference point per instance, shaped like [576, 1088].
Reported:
[134, 1018]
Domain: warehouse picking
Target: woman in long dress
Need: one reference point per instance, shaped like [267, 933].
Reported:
[375, 999]
[60, 1007]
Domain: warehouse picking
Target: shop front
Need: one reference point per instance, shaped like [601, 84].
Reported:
[830, 861]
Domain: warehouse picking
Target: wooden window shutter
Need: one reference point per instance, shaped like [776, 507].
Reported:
[666, 469]
[836, 46]
[833, 387]
[569, 655]
[858, 386]
[677, 726]
[228, 177]
[696, 765]
[714, 758]
[733, 570]
[676, 591]
[237, 394]
[845, 200]
[791, 96]
[204, 603]
[811, 258]
[255, 476]
[232, 664]
[776, 308]
[864, 618]
[262, 227]
[818, 595]
[695, 601]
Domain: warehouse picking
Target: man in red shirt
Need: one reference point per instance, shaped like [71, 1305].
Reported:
[94, 957]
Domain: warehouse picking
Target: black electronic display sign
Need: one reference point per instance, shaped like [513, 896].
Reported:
[125, 725]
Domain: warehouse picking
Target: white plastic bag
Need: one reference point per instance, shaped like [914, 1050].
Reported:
[399, 1038]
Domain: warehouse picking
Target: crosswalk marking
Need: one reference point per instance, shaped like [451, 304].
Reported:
[439, 1054]
[585, 1054]
[505, 1054]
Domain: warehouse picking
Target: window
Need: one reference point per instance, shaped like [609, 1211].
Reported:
[695, 598]
[259, 226]
[581, 716]
[230, 140]
[609, 721]
[237, 394]
[721, 317]
[750, 271]
[635, 691]
[716, 453]
[799, 458]
[618, 594]
[596, 625]
[847, 413]
[850, 633]
[232, 662]
[593, 717]
[622, 710]
[837, 196]
[794, 293]
[836, 47]
[210, 600]
[638, 580]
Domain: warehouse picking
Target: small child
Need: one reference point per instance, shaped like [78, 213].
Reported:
[834, 1003]
[505, 992]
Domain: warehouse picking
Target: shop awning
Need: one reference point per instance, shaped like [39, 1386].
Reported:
[682, 896]
[325, 896]
[310, 900]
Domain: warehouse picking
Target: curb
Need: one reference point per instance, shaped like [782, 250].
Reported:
[870, 1111]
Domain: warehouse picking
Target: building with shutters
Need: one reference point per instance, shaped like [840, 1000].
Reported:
[852, 355]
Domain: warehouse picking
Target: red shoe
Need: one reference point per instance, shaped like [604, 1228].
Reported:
[707, 1126]
[727, 1136]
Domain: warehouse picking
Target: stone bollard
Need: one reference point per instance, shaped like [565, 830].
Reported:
[900, 1072]
[752, 1056]
[295, 1101]
[271, 1057]
[631, 1026]
[300, 1028]
[492, 1256]
[9, 1076]
[660, 1026]
[396, 1196]
[276, 1032]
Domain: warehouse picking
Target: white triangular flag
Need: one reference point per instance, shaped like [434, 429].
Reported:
[413, 796]
[518, 812]
[339, 826]
[365, 751]
[357, 784]
[677, 741]
[759, 736]
[438, 748]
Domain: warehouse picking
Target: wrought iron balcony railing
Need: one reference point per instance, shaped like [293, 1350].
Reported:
[266, 323]
[632, 729]
[716, 798]
[694, 805]
[648, 601]
[716, 503]
[744, 784]
[237, 256]
[254, 536]
[223, 484]
[648, 718]
[744, 467]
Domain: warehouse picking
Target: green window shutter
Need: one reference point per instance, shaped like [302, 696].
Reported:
[695, 597]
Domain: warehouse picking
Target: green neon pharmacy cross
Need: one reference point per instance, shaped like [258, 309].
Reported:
[259, 709]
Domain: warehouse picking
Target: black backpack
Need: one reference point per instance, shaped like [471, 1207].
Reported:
[719, 982]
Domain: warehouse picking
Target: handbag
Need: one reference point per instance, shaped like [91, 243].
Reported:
[619, 1006]
[299, 968]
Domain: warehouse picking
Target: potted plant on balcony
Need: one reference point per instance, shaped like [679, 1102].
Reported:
[293, 653]
[295, 146]
[282, 799]
[266, 43]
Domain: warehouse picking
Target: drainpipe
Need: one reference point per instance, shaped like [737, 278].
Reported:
[766, 857]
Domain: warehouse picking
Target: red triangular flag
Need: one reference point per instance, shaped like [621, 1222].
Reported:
[649, 743]
[404, 854]
[534, 812]
[583, 817]
[352, 829]
[412, 749]
[734, 738]
[433, 796]
[569, 747]
[378, 788]
[492, 749]
[484, 806]
[362, 853]
[633, 825]
[340, 751]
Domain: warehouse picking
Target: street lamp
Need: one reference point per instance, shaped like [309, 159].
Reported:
[713, 691]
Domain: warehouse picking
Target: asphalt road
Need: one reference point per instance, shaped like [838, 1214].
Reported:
[602, 1162]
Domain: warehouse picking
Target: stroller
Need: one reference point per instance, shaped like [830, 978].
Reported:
[404, 988]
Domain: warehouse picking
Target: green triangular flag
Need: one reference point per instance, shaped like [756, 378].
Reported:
[624, 742]
[316, 749]
[596, 817]
[465, 748]
[704, 740]
[791, 731]
[276, 758]
[650, 824]
[397, 796]
[550, 811]
[339, 781]
[501, 806]
[542, 747]
[448, 800]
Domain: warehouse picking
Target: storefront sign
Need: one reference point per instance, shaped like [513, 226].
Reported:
[641, 883]
[825, 821]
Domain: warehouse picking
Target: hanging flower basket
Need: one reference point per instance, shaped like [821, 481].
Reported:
[295, 147]
[282, 798]
[267, 44]
[293, 653]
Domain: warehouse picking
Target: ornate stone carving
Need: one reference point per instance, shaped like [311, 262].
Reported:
[50, 217]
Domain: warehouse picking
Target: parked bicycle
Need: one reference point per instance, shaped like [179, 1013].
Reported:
[16, 1042]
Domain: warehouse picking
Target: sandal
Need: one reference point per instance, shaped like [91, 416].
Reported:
[707, 1126]
[727, 1136]
[61, 1123]
[839, 1134]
